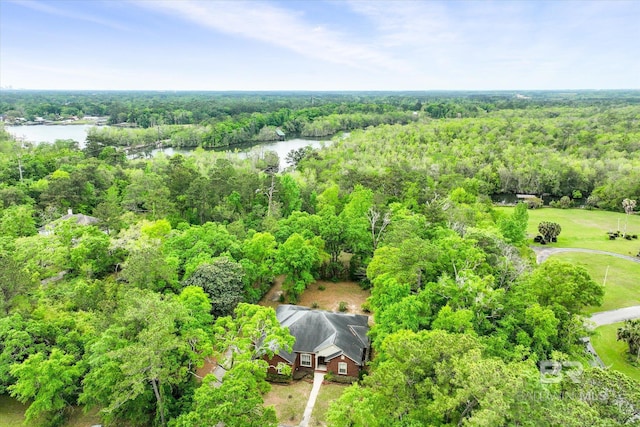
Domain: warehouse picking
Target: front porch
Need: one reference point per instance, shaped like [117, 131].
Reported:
[321, 364]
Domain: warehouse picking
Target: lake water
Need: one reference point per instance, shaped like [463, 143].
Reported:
[244, 151]
[49, 134]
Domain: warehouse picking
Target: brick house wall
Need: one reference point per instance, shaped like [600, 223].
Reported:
[297, 366]
[273, 362]
[352, 368]
[332, 366]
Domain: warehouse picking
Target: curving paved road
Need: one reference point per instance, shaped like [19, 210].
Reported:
[542, 253]
[615, 316]
[603, 317]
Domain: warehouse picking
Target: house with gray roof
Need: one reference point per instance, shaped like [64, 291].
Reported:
[80, 219]
[325, 341]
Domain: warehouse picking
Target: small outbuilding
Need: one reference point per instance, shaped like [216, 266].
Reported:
[525, 197]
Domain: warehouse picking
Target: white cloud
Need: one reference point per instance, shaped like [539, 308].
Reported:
[47, 8]
[280, 27]
[408, 23]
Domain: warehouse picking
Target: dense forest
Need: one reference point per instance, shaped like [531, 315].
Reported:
[193, 119]
[115, 304]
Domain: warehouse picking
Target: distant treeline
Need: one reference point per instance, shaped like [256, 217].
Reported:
[219, 119]
[256, 127]
[149, 109]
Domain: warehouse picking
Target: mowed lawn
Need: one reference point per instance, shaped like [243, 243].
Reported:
[622, 287]
[583, 228]
[613, 352]
[12, 414]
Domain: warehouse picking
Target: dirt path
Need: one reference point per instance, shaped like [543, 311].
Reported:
[543, 253]
[603, 317]
[272, 297]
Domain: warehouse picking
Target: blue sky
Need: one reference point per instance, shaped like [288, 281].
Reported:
[319, 45]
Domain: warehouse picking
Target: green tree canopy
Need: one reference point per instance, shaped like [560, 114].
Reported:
[222, 280]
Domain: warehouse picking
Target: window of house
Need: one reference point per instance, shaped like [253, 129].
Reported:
[342, 368]
[305, 360]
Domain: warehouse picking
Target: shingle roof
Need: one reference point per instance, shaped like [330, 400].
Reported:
[316, 330]
[81, 219]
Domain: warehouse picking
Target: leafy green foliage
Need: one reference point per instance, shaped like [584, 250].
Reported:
[461, 313]
[14, 283]
[514, 228]
[549, 230]
[297, 258]
[51, 384]
[17, 221]
[222, 280]
[432, 378]
[630, 333]
[237, 402]
[148, 351]
[561, 284]
[253, 333]
[258, 262]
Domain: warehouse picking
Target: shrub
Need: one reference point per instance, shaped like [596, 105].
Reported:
[314, 305]
[549, 231]
[565, 202]
[343, 306]
[341, 379]
[321, 287]
[301, 374]
[592, 202]
[278, 378]
[366, 307]
[533, 203]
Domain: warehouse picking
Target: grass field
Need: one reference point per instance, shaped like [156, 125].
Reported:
[328, 393]
[586, 229]
[613, 352]
[11, 412]
[622, 288]
[289, 400]
[12, 415]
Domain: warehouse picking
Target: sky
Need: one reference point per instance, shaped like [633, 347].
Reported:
[319, 45]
